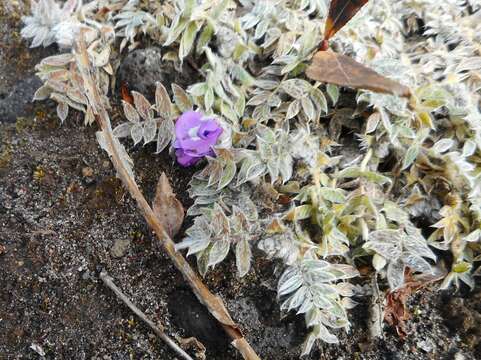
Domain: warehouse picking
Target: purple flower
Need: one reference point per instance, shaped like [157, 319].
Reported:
[195, 135]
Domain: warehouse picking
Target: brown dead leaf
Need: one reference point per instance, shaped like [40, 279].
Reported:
[338, 69]
[125, 93]
[340, 12]
[396, 312]
[167, 207]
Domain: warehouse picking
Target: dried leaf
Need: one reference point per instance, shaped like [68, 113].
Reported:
[125, 93]
[337, 69]
[167, 207]
[396, 312]
[340, 12]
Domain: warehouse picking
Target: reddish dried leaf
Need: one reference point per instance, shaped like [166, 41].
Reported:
[125, 94]
[167, 207]
[284, 199]
[340, 12]
[341, 70]
[396, 312]
[103, 11]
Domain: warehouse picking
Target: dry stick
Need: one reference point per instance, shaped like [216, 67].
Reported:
[213, 303]
[158, 330]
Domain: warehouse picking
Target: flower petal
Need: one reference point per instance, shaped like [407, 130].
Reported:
[195, 137]
[185, 122]
[184, 159]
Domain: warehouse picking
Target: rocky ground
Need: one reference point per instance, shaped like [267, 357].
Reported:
[64, 217]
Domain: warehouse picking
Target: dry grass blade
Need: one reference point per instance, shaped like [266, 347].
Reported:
[340, 12]
[337, 69]
[213, 303]
[167, 207]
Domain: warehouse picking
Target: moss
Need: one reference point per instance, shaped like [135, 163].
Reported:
[5, 157]
[24, 123]
[6, 149]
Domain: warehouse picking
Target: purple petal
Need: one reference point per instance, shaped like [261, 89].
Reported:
[197, 147]
[185, 122]
[209, 129]
[185, 159]
[195, 137]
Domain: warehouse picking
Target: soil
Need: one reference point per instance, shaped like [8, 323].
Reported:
[64, 217]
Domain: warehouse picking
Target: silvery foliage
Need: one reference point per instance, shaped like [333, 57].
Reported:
[143, 124]
[193, 17]
[213, 184]
[219, 88]
[252, 56]
[398, 249]
[284, 244]
[63, 83]
[316, 288]
[131, 20]
[213, 234]
[446, 55]
[45, 16]
[49, 23]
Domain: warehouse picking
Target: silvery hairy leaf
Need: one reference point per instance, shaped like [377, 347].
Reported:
[165, 134]
[243, 257]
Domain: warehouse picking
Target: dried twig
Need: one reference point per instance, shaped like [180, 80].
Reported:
[376, 310]
[118, 157]
[157, 329]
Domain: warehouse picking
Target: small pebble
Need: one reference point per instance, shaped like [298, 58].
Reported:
[87, 171]
[120, 248]
[425, 345]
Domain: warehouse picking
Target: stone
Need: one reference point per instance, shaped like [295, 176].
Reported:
[120, 248]
[425, 345]
[18, 101]
[87, 171]
[143, 68]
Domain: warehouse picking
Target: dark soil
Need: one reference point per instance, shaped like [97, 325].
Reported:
[64, 216]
